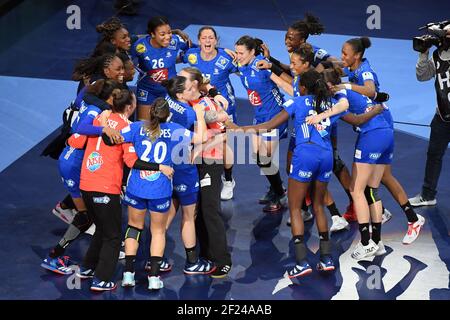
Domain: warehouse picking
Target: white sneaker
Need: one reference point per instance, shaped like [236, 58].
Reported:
[128, 279]
[381, 249]
[362, 252]
[307, 216]
[65, 215]
[418, 201]
[338, 223]
[387, 215]
[91, 230]
[154, 283]
[413, 230]
[227, 189]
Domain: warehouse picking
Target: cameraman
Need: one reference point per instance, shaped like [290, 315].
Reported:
[437, 66]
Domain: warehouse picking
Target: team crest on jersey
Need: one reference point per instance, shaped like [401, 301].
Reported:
[222, 62]
[192, 58]
[141, 48]
[142, 95]
[172, 45]
[149, 175]
[94, 161]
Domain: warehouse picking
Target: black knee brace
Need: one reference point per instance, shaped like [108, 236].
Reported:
[338, 164]
[82, 221]
[133, 233]
[371, 195]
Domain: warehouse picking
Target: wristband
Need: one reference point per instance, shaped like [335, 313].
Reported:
[274, 61]
[276, 69]
[348, 86]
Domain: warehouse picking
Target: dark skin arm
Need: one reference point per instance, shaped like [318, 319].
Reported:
[273, 123]
[362, 118]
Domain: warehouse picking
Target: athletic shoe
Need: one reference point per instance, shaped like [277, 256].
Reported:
[387, 215]
[300, 270]
[202, 266]
[164, 266]
[276, 203]
[84, 273]
[267, 197]
[58, 265]
[227, 189]
[221, 271]
[413, 230]
[418, 201]
[381, 249]
[99, 285]
[154, 283]
[128, 279]
[326, 263]
[91, 230]
[350, 214]
[362, 252]
[65, 215]
[338, 223]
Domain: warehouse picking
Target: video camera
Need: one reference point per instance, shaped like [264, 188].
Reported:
[437, 36]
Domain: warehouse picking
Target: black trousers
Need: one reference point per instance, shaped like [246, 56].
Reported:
[437, 146]
[104, 249]
[209, 225]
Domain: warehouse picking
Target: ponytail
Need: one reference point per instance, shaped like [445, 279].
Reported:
[359, 45]
[159, 112]
[315, 84]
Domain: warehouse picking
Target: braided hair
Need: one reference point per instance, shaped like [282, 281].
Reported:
[316, 85]
[108, 28]
[309, 25]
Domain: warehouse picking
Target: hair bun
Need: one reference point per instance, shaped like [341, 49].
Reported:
[365, 41]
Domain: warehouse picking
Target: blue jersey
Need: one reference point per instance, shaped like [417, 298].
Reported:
[184, 115]
[359, 104]
[158, 64]
[262, 92]
[302, 107]
[85, 113]
[319, 55]
[362, 74]
[153, 184]
[217, 70]
[295, 85]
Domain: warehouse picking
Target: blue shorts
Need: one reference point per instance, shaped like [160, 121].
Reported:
[69, 164]
[185, 184]
[375, 147]
[275, 134]
[311, 162]
[145, 96]
[156, 205]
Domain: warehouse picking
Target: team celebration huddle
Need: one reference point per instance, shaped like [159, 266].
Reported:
[168, 145]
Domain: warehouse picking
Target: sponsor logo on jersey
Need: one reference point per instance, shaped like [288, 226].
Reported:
[181, 188]
[102, 200]
[70, 183]
[375, 155]
[358, 154]
[253, 74]
[130, 201]
[94, 161]
[254, 97]
[305, 174]
[192, 58]
[163, 206]
[168, 54]
[158, 75]
[149, 175]
[141, 48]
[216, 71]
[327, 174]
[172, 45]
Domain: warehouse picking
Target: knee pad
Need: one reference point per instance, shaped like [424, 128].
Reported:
[371, 195]
[338, 164]
[133, 233]
[82, 221]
